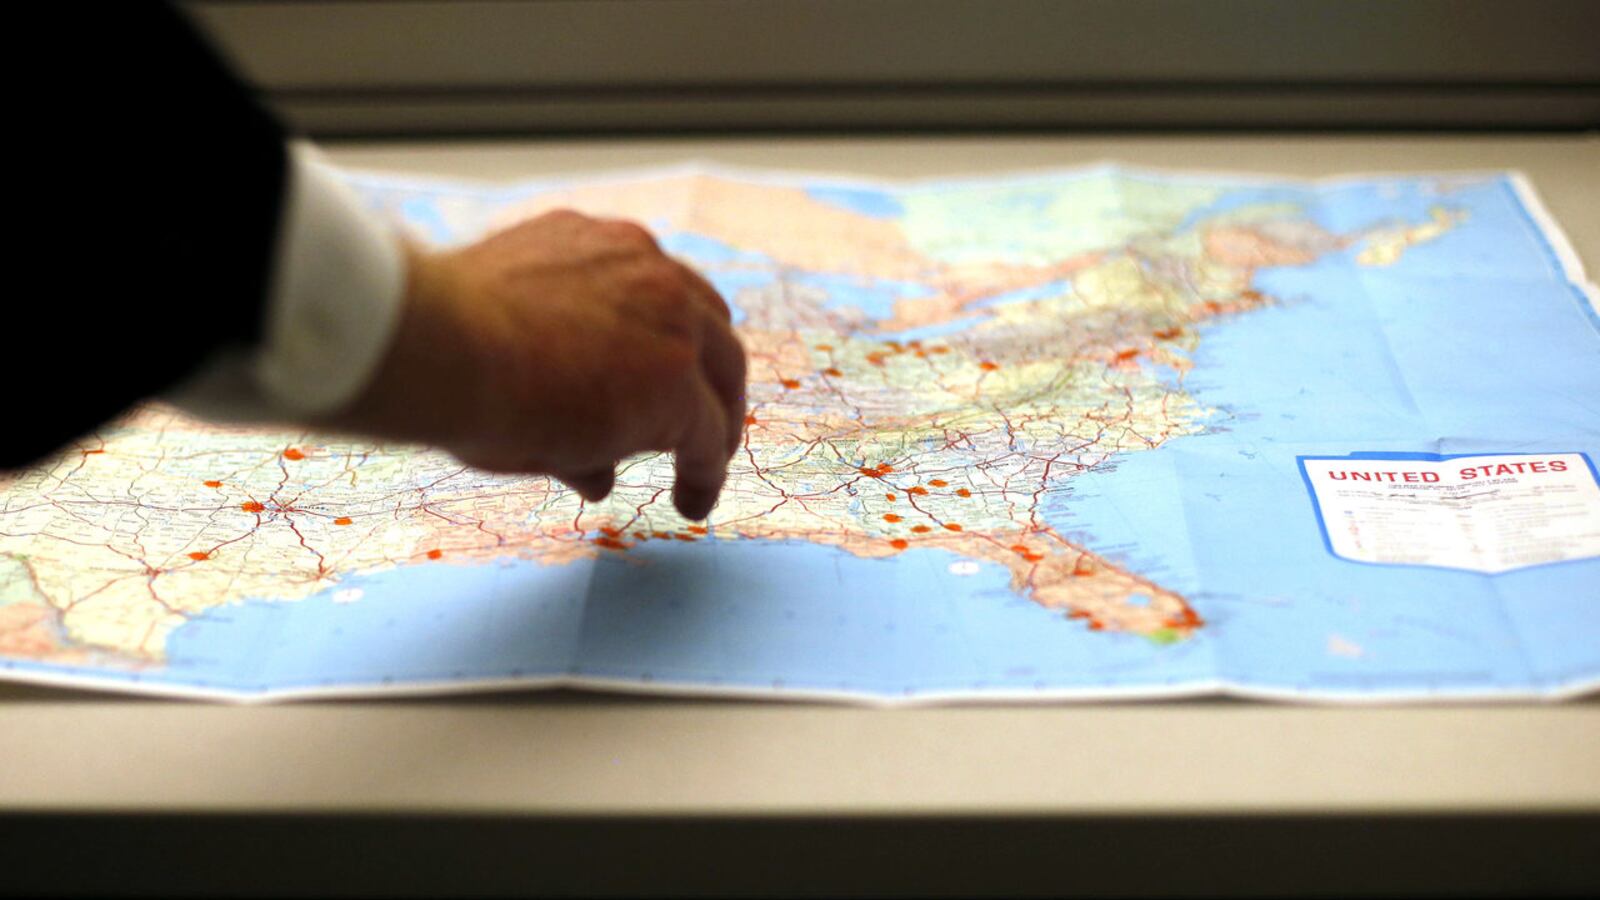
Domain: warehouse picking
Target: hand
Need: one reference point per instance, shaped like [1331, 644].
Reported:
[559, 347]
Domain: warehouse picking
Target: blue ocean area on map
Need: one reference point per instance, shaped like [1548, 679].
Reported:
[760, 615]
[1471, 343]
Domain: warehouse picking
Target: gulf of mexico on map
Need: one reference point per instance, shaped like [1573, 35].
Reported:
[1087, 433]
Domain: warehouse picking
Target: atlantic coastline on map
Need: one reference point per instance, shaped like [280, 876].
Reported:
[1029, 436]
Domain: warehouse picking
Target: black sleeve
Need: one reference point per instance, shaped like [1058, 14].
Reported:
[162, 180]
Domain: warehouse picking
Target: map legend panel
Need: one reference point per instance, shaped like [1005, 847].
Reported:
[1488, 513]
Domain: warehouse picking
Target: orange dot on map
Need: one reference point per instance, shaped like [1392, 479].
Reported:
[891, 518]
[870, 473]
[292, 453]
[939, 482]
[951, 526]
[825, 347]
[1125, 355]
[1018, 548]
[1167, 334]
[790, 383]
[899, 543]
[610, 543]
[884, 468]
[610, 532]
[750, 420]
[435, 554]
[213, 484]
[684, 537]
[963, 492]
[919, 490]
[890, 497]
[875, 358]
[92, 452]
[988, 366]
[832, 372]
[698, 529]
[342, 520]
[251, 506]
[921, 529]
[199, 556]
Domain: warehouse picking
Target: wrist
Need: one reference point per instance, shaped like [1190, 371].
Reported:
[416, 390]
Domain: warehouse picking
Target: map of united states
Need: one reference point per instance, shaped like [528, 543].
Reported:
[928, 368]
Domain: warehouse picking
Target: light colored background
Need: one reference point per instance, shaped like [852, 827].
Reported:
[562, 754]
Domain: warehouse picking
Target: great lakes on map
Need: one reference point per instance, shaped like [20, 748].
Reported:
[1033, 436]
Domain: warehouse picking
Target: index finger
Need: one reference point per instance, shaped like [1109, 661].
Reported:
[700, 458]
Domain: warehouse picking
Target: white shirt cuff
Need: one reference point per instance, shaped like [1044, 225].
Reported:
[333, 304]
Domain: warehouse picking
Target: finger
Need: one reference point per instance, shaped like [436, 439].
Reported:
[592, 486]
[705, 291]
[699, 459]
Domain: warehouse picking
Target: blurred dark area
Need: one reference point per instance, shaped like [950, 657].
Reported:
[375, 68]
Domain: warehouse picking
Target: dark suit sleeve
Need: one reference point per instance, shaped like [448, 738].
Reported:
[166, 180]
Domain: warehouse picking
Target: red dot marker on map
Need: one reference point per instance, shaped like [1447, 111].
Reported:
[342, 520]
[988, 366]
[963, 492]
[251, 506]
[790, 383]
[900, 543]
[199, 556]
[213, 484]
[939, 482]
[891, 518]
[951, 526]
[435, 554]
[293, 454]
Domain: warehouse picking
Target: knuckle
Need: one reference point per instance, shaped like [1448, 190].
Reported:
[561, 216]
[631, 234]
[660, 283]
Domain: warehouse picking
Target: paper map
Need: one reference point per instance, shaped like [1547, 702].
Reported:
[1089, 433]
